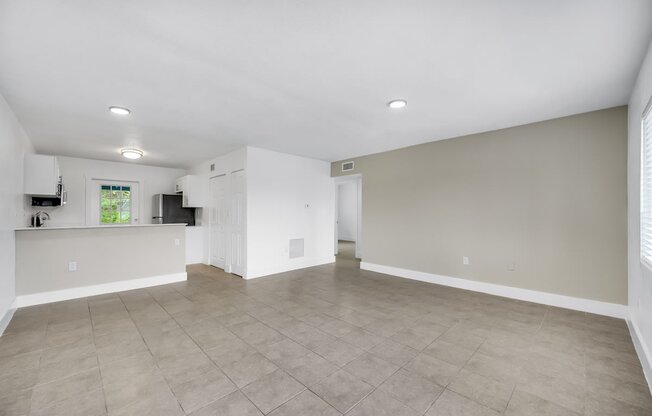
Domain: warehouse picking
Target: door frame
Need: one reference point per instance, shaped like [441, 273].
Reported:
[357, 179]
[228, 266]
[211, 242]
[231, 226]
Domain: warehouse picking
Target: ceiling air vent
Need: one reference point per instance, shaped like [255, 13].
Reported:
[347, 166]
[212, 167]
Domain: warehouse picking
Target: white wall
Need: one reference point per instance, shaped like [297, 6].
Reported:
[14, 143]
[224, 165]
[640, 277]
[153, 180]
[347, 211]
[287, 197]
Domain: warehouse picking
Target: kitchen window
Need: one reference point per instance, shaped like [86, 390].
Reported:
[115, 204]
[646, 186]
[110, 201]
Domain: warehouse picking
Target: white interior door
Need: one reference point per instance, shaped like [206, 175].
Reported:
[218, 221]
[237, 224]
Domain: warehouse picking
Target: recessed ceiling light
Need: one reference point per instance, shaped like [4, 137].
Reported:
[119, 110]
[397, 104]
[131, 153]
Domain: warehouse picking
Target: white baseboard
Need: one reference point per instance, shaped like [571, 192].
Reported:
[295, 266]
[4, 322]
[85, 291]
[562, 301]
[642, 350]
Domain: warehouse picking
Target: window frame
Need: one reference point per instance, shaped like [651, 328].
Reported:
[645, 197]
[92, 198]
[120, 211]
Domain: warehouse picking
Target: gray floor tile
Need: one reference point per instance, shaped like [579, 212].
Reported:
[451, 353]
[181, 368]
[46, 395]
[430, 368]
[310, 368]
[248, 369]
[282, 353]
[452, 404]
[412, 389]
[380, 403]
[229, 351]
[342, 390]
[486, 391]
[235, 404]
[599, 405]
[160, 402]
[203, 389]
[306, 403]
[523, 403]
[339, 352]
[371, 369]
[272, 390]
[87, 404]
[15, 404]
[135, 389]
[394, 352]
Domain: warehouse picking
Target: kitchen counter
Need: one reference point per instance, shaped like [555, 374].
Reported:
[77, 227]
[61, 263]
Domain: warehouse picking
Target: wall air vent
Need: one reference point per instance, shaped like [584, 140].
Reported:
[212, 167]
[347, 166]
[296, 248]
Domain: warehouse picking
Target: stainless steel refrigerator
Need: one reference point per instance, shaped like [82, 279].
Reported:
[168, 209]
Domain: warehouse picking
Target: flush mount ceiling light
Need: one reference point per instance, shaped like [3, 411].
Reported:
[395, 104]
[119, 110]
[131, 153]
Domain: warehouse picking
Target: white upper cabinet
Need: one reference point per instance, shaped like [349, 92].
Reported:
[42, 175]
[192, 188]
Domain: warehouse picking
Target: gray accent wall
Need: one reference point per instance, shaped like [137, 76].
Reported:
[548, 200]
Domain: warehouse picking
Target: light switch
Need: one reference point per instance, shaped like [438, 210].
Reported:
[72, 266]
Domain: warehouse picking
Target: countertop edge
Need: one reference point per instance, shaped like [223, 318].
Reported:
[84, 227]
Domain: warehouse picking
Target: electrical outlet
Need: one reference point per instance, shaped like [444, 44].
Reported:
[72, 266]
[511, 267]
[177, 242]
[465, 260]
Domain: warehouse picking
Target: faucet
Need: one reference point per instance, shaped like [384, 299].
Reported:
[38, 219]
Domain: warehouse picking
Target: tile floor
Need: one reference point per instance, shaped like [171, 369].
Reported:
[322, 341]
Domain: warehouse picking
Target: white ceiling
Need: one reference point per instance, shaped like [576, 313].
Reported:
[308, 77]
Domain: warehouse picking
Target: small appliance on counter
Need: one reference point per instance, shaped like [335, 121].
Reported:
[38, 219]
[168, 209]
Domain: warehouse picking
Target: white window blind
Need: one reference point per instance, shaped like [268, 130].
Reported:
[646, 186]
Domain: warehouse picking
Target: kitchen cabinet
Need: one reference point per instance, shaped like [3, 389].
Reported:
[42, 175]
[192, 189]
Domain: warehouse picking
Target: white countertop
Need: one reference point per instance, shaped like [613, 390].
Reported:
[77, 227]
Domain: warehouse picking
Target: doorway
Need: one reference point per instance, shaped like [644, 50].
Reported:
[348, 215]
